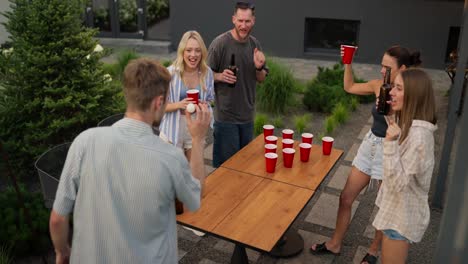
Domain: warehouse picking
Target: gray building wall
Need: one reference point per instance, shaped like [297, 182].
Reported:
[418, 24]
[4, 6]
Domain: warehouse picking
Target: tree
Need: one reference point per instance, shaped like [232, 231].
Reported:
[53, 83]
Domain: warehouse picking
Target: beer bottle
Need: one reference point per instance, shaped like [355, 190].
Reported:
[384, 96]
[179, 207]
[233, 68]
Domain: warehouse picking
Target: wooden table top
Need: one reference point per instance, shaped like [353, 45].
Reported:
[265, 215]
[304, 174]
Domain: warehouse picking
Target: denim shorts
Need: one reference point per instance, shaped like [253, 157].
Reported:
[394, 235]
[369, 158]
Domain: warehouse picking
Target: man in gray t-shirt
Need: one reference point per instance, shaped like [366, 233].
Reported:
[235, 92]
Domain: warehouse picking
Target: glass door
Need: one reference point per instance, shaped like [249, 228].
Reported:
[117, 18]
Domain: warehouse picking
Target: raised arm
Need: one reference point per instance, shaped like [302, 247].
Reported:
[370, 87]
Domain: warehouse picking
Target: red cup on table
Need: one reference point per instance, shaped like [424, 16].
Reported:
[288, 133]
[307, 138]
[271, 140]
[268, 131]
[288, 157]
[347, 53]
[287, 143]
[305, 151]
[193, 94]
[270, 161]
[270, 148]
[327, 144]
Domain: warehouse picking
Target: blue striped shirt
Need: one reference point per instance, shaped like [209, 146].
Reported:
[120, 182]
[170, 122]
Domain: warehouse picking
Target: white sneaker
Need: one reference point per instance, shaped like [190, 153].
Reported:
[198, 233]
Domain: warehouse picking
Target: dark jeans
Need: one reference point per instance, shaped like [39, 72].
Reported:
[228, 139]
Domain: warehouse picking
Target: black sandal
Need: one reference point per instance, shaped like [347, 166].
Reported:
[321, 249]
[370, 259]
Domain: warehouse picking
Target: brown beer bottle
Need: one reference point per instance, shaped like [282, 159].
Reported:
[179, 207]
[384, 96]
[233, 68]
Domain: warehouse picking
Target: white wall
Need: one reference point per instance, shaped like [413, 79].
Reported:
[4, 6]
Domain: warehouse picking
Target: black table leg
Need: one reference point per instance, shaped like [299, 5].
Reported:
[239, 256]
[289, 245]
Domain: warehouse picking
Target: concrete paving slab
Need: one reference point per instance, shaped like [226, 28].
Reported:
[187, 234]
[352, 152]
[338, 180]
[324, 211]
[208, 153]
[364, 131]
[207, 261]
[360, 253]
[208, 169]
[370, 230]
[228, 247]
[181, 253]
[306, 257]
[370, 120]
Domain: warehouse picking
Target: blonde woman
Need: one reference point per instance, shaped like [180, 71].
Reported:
[189, 71]
[408, 163]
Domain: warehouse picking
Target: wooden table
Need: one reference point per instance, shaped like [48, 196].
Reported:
[244, 204]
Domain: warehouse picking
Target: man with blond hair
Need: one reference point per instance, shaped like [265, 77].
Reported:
[120, 182]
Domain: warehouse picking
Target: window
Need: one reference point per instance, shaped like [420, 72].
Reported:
[328, 34]
[452, 42]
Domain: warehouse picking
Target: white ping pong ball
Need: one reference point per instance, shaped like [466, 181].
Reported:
[190, 108]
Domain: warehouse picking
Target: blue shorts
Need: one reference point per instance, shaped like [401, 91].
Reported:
[394, 235]
[369, 158]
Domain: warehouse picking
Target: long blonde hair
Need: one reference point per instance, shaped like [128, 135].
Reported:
[179, 63]
[418, 100]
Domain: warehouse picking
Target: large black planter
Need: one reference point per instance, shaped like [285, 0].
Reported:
[108, 121]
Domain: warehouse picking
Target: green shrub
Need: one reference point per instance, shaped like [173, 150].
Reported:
[260, 121]
[278, 122]
[15, 231]
[124, 58]
[54, 85]
[274, 94]
[5, 252]
[113, 69]
[330, 124]
[340, 113]
[300, 122]
[326, 90]
[353, 104]
[166, 63]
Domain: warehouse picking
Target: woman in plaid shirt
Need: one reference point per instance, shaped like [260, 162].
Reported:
[407, 164]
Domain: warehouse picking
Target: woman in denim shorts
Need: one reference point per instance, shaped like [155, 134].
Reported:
[368, 162]
[404, 213]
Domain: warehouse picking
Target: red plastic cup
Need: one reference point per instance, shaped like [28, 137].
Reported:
[348, 53]
[271, 140]
[307, 138]
[288, 157]
[268, 131]
[193, 94]
[305, 151]
[270, 148]
[327, 144]
[288, 133]
[287, 143]
[270, 160]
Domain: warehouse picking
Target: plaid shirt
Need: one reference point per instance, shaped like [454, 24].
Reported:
[403, 197]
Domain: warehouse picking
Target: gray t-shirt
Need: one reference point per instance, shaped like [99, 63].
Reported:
[234, 104]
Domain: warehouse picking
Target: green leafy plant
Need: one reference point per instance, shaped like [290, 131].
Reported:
[278, 122]
[260, 121]
[274, 94]
[15, 230]
[5, 252]
[330, 124]
[166, 63]
[123, 58]
[340, 113]
[353, 104]
[326, 90]
[300, 122]
[54, 83]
